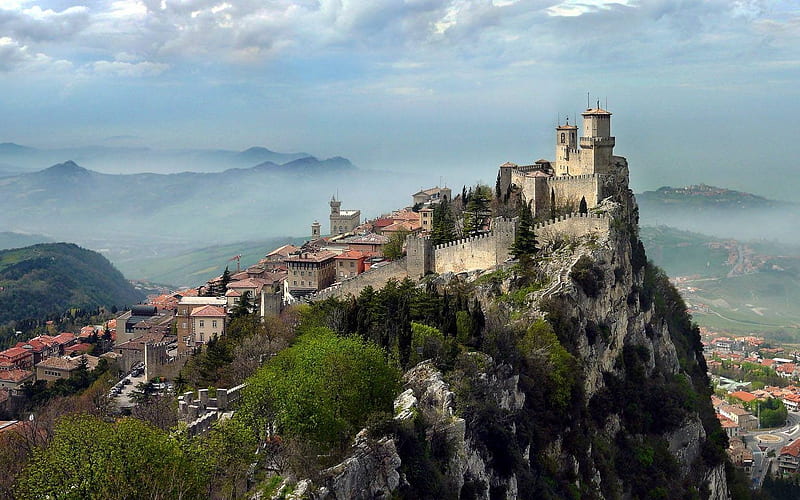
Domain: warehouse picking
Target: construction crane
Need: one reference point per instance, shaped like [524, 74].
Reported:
[236, 258]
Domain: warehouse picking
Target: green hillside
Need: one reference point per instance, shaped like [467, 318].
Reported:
[50, 278]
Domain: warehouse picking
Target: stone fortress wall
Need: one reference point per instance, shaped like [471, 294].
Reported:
[574, 225]
[570, 190]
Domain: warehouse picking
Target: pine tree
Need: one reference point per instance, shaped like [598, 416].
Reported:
[524, 246]
[224, 281]
[477, 210]
[443, 226]
[244, 306]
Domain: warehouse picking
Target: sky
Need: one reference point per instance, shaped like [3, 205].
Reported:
[701, 91]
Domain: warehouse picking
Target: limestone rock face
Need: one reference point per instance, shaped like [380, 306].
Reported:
[369, 473]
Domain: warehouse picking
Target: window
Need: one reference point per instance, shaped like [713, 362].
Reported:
[201, 336]
[294, 282]
[213, 323]
[201, 323]
[563, 136]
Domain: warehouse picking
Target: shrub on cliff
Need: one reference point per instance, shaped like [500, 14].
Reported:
[322, 389]
[588, 276]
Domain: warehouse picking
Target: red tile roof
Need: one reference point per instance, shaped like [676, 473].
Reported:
[351, 255]
[744, 396]
[208, 311]
[315, 257]
[16, 353]
[64, 338]
[15, 375]
[792, 449]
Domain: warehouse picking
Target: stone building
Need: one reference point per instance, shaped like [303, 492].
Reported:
[585, 168]
[183, 318]
[207, 322]
[431, 196]
[310, 271]
[343, 221]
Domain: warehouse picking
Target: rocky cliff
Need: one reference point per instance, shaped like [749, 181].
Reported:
[589, 382]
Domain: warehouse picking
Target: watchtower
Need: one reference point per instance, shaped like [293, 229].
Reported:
[597, 144]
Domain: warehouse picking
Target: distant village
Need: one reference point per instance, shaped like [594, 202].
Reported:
[751, 379]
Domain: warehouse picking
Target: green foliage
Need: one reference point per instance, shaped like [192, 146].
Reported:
[322, 389]
[47, 279]
[477, 210]
[587, 275]
[773, 413]
[394, 248]
[92, 459]
[244, 307]
[426, 342]
[41, 392]
[443, 226]
[525, 245]
[541, 343]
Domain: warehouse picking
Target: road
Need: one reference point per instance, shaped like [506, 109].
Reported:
[785, 435]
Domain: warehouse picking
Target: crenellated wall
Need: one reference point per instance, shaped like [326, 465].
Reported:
[569, 190]
[376, 277]
[572, 225]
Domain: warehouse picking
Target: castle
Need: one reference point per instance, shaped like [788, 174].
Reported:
[585, 168]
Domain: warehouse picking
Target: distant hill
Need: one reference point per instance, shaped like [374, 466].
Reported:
[721, 212]
[10, 239]
[703, 196]
[114, 157]
[50, 278]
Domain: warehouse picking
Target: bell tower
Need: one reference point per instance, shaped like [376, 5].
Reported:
[566, 149]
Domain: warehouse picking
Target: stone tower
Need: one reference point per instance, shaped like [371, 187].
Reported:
[336, 206]
[597, 144]
[315, 230]
[566, 148]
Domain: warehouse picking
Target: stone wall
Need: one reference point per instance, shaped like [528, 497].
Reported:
[478, 252]
[157, 363]
[570, 190]
[199, 412]
[376, 277]
[572, 225]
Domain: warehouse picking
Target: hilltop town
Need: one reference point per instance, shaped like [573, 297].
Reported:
[575, 208]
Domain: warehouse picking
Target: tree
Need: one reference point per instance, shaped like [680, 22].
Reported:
[245, 305]
[393, 250]
[322, 389]
[224, 281]
[443, 226]
[525, 244]
[477, 210]
[552, 203]
[92, 459]
[582, 208]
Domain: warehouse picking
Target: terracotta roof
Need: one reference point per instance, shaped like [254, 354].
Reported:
[64, 338]
[567, 127]
[85, 347]
[15, 375]
[15, 352]
[232, 293]
[351, 255]
[367, 239]
[792, 449]
[744, 396]
[402, 226]
[58, 364]
[509, 164]
[786, 368]
[595, 111]
[208, 311]
[283, 251]
[247, 283]
[321, 256]
[383, 222]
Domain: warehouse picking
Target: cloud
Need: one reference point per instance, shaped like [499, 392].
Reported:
[17, 57]
[128, 69]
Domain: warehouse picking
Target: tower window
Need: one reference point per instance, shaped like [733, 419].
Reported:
[563, 136]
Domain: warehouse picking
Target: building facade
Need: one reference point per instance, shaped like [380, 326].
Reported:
[343, 221]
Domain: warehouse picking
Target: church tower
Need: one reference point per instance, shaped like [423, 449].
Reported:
[597, 143]
[335, 206]
[566, 149]
[315, 230]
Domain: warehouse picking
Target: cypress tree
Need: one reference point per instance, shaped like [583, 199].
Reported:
[582, 207]
[524, 246]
